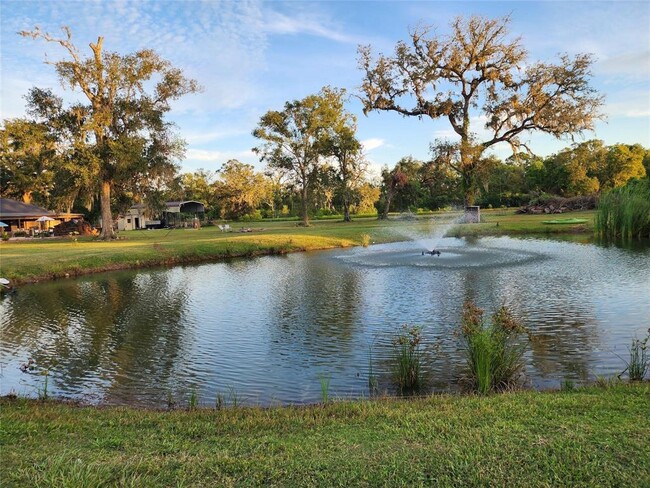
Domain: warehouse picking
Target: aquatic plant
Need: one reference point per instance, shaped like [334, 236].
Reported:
[373, 382]
[407, 361]
[218, 401]
[493, 351]
[324, 387]
[43, 393]
[233, 396]
[365, 240]
[568, 385]
[625, 212]
[193, 400]
[639, 362]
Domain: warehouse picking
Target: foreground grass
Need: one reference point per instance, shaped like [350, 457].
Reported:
[589, 437]
[38, 259]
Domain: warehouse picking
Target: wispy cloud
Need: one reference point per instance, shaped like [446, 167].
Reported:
[306, 23]
[634, 65]
[218, 156]
[374, 143]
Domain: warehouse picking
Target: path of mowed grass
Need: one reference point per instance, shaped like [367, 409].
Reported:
[583, 438]
[37, 259]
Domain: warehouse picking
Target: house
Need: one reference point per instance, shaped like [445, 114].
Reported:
[175, 214]
[24, 216]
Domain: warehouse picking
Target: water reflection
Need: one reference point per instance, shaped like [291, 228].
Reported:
[268, 328]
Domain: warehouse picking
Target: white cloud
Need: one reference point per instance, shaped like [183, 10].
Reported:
[203, 136]
[213, 159]
[305, 23]
[634, 65]
[373, 143]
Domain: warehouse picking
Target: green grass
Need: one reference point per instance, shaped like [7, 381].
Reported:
[566, 221]
[583, 438]
[41, 259]
[506, 222]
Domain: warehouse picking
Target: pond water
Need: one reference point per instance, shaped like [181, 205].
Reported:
[268, 330]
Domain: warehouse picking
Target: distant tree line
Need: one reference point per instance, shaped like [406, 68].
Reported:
[583, 169]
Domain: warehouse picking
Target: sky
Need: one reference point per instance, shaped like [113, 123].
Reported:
[253, 56]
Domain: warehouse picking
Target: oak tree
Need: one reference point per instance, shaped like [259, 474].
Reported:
[478, 70]
[131, 140]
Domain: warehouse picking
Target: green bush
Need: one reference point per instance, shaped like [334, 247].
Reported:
[254, 216]
[494, 353]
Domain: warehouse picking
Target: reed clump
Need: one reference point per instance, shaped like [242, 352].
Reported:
[407, 364]
[494, 349]
[625, 212]
[639, 362]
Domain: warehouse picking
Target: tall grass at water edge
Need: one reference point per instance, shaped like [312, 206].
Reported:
[407, 366]
[639, 362]
[494, 353]
[625, 212]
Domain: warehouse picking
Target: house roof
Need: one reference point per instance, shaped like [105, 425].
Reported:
[169, 204]
[13, 209]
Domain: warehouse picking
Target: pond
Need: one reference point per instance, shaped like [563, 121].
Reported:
[268, 330]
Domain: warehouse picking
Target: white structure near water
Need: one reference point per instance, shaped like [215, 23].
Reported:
[176, 214]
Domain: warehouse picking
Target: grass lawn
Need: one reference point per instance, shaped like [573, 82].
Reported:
[38, 259]
[582, 438]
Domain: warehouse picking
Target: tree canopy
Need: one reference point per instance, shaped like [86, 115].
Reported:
[298, 137]
[477, 70]
[131, 143]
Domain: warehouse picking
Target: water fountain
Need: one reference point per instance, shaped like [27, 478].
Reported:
[449, 252]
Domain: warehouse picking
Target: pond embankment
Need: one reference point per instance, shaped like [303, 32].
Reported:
[586, 437]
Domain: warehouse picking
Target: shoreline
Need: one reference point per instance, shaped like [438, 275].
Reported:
[142, 250]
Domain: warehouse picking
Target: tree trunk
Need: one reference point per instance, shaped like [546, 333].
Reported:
[468, 191]
[346, 210]
[389, 197]
[107, 216]
[304, 206]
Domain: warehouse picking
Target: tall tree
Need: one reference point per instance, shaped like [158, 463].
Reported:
[27, 160]
[402, 181]
[73, 183]
[477, 68]
[293, 139]
[440, 182]
[240, 190]
[200, 186]
[621, 163]
[341, 144]
[130, 136]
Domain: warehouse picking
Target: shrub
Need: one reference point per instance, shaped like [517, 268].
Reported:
[365, 240]
[494, 355]
[407, 361]
[254, 216]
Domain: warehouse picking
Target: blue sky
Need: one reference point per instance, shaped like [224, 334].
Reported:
[253, 56]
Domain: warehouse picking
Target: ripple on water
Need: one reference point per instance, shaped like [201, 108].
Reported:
[268, 329]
